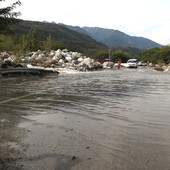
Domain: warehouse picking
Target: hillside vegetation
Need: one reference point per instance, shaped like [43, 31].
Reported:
[69, 39]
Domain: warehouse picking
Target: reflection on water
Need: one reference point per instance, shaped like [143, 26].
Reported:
[126, 110]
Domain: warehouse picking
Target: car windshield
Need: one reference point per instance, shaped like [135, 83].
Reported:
[132, 61]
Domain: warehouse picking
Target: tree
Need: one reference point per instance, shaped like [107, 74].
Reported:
[120, 55]
[49, 44]
[8, 43]
[30, 41]
[8, 17]
[153, 55]
[165, 54]
[102, 54]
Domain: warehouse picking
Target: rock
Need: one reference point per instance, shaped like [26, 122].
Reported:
[150, 65]
[98, 65]
[164, 67]
[83, 68]
[76, 55]
[74, 62]
[40, 57]
[10, 64]
[68, 58]
[65, 50]
[55, 58]
[73, 158]
[61, 61]
[49, 63]
[87, 62]
[4, 55]
[167, 68]
[64, 54]
[58, 54]
[108, 65]
[39, 52]
[80, 59]
[34, 56]
[158, 68]
[29, 54]
[52, 53]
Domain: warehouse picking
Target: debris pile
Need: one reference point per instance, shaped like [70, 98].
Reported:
[61, 59]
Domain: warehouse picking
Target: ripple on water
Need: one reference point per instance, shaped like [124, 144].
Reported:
[124, 112]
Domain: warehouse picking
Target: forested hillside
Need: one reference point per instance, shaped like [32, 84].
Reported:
[70, 39]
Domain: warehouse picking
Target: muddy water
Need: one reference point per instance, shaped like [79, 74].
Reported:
[112, 119]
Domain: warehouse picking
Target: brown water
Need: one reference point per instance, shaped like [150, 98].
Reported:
[111, 119]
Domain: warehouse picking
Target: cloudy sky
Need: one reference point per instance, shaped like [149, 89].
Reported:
[146, 18]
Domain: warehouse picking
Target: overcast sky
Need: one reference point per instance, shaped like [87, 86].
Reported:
[146, 18]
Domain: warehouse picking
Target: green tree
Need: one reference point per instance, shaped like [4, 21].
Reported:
[24, 43]
[120, 55]
[34, 43]
[165, 54]
[30, 41]
[102, 54]
[8, 43]
[153, 55]
[49, 44]
[8, 17]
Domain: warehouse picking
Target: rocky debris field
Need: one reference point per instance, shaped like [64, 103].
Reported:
[52, 59]
[59, 59]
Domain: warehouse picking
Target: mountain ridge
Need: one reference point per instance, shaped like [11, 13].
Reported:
[71, 39]
[115, 38]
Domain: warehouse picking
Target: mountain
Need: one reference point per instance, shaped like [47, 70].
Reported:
[72, 40]
[87, 40]
[77, 29]
[115, 38]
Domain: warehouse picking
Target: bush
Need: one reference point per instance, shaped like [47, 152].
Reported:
[8, 43]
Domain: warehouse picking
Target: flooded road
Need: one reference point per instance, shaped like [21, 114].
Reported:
[110, 119]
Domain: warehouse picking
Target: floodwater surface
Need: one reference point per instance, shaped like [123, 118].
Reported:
[110, 119]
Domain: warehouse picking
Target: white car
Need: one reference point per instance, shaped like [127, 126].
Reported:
[132, 63]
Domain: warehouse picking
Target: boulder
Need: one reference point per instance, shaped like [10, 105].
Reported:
[158, 68]
[65, 50]
[40, 57]
[61, 61]
[55, 58]
[58, 54]
[76, 55]
[68, 58]
[108, 64]
[80, 59]
[87, 62]
[34, 56]
[167, 68]
[49, 63]
[98, 65]
[10, 64]
[4, 55]
[52, 53]
[74, 62]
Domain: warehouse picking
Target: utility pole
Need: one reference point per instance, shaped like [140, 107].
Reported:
[109, 53]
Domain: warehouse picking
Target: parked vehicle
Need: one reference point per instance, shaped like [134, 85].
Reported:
[142, 63]
[132, 63]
